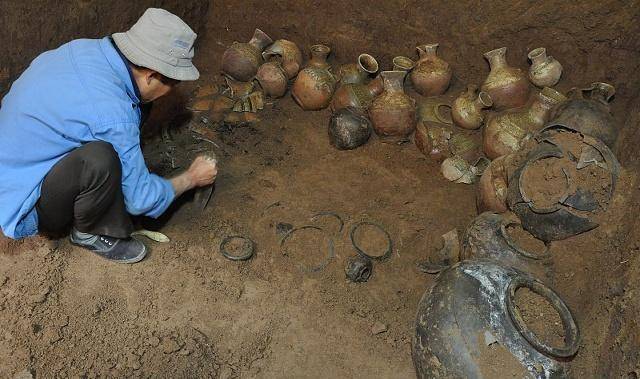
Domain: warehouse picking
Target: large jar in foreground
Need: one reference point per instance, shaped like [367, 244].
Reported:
[315, 84]
[241, 60]
[393, 113]
[508, 86]
[431, 74]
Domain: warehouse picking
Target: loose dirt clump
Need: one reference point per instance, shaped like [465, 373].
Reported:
[525, 240]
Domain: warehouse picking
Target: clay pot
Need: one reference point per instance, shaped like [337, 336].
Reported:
[545, 70]
[272, 79]
[433, 140]
[467, 146]
[288, 54]
[589, 116]
[349, 128]
[566, 181]
[434, 110]
[469, 318]
[357, 73]
[431, 75]
[393, 113]
[241, 60]
[508, 86]
[357, 95]
[315, 84]
[493, 186]
[488, 237]
[456, 169]
[402, 63]
[466, 111]
[506, 132]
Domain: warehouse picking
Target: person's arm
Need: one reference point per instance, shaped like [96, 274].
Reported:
[201, 173]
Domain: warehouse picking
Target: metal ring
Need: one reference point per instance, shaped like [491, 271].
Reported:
[382, 257]
[330, 254]
[332, 214]
[571, 331]
[248, 252]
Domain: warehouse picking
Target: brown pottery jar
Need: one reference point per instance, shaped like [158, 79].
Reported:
[393, 113]
[507, 131]
[359, 96]
[493, 187]
[431, 74]
[241, 60]
[315, 84]
[357, 73]
[272, 79]
[288, 54]
[467, 110]
[545, 70]
[508, 86]
[402, 63]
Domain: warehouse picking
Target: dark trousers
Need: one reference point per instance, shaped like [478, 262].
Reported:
[84, 190]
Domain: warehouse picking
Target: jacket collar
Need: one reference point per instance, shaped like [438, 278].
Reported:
[121, 66]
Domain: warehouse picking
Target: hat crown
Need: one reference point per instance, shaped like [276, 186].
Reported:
[162, 33]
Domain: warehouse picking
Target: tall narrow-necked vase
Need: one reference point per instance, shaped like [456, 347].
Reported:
[508, 86]
[393, 113]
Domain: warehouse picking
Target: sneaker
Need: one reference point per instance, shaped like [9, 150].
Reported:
[114, 249]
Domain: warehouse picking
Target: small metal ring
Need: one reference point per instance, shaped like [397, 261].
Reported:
[382, 257]
[247, 254]
[330, 255]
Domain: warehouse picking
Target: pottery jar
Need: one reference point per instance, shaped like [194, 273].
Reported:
[402, 63]
[492, 189]
[288, 54]
[467, 110]
[591, 115]
[433, 140]
[472, 310]
[393, 113]
[272, 79]
[241, 60]
[315, 84]
[349, 128]
[545, 70]
[431, 74]
[507, 131]
[508, 86]
[357, 95]
[357, 73]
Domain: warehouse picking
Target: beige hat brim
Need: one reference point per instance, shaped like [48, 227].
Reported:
[139, 57]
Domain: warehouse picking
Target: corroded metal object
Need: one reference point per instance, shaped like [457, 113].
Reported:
[315, 84]
[508, 86]
[431, 74]
[471, 311]
[241, 60]
[359, 269]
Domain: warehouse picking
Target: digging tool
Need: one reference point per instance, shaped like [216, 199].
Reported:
[203, 194]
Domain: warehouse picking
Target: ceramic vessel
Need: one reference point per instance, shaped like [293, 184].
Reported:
[315, 84]
[545, 70]
[471, 311]
[272, 79]
[467, 110]
[507, 131]
[349, 128]
[393, 113]
[402, 63]
[357, 73]
[431, 74]
[433, 140]
[241, 60]
[288, 54]
[493, 186]
[357, 95]
[508, 86]
[591, 115]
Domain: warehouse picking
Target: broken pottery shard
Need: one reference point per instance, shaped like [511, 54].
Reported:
[378, 328]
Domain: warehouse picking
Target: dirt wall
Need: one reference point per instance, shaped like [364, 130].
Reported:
[28, 28]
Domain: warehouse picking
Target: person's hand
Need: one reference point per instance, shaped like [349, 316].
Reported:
[203, 171]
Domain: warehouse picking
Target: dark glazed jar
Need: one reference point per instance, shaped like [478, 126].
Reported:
[393, 113]
[431, 74]
[241, 60]
[315, 84]
[508, 86]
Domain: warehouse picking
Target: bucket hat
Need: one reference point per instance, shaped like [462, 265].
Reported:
[162, 42]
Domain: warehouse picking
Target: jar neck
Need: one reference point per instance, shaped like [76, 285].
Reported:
[393, 80]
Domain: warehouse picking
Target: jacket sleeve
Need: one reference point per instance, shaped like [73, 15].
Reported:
[144, 193]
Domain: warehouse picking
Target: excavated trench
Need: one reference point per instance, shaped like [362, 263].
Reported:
[187, 312]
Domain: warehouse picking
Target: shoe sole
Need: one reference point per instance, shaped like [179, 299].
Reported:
[133, 260]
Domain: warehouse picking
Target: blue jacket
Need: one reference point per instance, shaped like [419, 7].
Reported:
[78, 93]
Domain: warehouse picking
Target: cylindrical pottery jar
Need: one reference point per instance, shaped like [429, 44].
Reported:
[545, 70]
[508, 86]
[288, 54]
[358, 96]
[241, 60]
[393, 113]
[272, 79]
[474, 317]
[402, 63]
[431, 74]
[467, 110]
[590, 116]
[315, 84]
[357, 73]
[349, 128]
[492, 187]
[507, 131]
